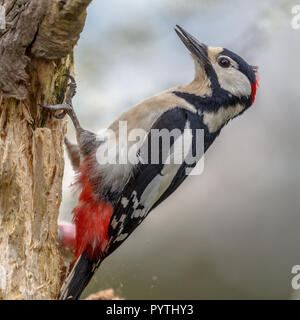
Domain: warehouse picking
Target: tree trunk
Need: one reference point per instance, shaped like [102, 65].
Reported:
[36, 50]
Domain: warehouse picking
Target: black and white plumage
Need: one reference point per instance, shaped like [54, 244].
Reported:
[116, 198]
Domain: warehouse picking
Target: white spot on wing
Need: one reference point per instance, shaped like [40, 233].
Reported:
[124, 202]
[135, 199]
[138, 213]
[121, 237]
[114, 223]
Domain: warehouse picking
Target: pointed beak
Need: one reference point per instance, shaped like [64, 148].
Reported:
[197, 48]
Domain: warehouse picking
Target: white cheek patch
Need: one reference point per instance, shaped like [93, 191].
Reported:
[233, 81]
[215, 120]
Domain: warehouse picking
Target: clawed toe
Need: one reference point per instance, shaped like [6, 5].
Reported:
[60, 116]
[64, 107]
[70, 77]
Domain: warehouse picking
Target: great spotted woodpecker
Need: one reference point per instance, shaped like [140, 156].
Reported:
[115, 198]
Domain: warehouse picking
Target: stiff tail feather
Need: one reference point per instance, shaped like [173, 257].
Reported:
[78, 278]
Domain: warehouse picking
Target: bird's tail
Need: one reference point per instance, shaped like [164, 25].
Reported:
[78, 278]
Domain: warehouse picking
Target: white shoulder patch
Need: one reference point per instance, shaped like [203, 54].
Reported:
[161, 182]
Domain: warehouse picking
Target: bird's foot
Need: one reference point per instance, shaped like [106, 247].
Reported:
[66, 108]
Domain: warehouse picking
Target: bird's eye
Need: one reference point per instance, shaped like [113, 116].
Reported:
[224, 62]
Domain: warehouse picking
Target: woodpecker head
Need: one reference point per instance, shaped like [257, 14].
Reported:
[230, 80]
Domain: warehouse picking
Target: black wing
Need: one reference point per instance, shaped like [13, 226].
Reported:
[153, 182]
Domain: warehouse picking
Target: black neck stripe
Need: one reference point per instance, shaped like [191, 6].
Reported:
[220, 98]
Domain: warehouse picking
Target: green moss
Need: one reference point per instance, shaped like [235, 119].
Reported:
[60, 86]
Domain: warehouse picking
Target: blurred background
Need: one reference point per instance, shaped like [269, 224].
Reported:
[234, 231]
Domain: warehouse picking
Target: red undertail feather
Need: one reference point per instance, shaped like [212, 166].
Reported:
[91, 218]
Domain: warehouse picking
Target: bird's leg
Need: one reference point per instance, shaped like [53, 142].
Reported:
[86, 140]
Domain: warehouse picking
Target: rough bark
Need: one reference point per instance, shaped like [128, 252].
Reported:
[107, 294]
[35, 51]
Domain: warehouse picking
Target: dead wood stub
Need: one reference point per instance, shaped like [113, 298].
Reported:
[36, 49]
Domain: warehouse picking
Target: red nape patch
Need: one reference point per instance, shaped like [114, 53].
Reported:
[91, 218]
[254, 87]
